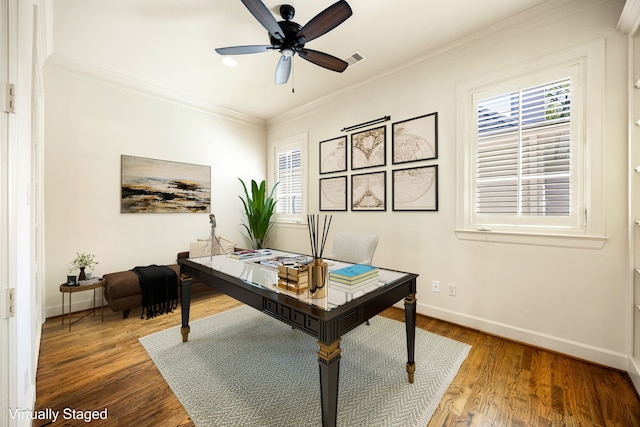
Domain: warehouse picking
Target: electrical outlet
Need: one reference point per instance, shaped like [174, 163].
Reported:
[452, 290]
[435, 286]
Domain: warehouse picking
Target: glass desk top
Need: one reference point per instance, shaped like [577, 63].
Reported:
[252, 272]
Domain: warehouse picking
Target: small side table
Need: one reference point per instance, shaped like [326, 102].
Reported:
[66, 289]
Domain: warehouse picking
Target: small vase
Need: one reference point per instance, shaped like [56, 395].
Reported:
[318, 272]
[82, 275]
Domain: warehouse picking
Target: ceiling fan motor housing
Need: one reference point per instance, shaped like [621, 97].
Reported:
[289, 37]
[290, 30]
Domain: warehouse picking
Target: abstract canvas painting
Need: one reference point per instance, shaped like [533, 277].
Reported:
[150, 185]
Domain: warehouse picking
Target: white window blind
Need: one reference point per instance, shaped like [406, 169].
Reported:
[530, 150]
[289, 176]
[523, 152]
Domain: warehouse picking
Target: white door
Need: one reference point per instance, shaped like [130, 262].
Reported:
[5, 330]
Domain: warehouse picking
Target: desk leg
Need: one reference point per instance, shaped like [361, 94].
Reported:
[185, 305]
[62, 308]
[410, 322]
[329, 362]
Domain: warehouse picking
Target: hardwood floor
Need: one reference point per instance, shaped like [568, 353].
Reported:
[101, 366]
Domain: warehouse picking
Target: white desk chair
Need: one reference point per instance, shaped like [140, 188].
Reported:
[356, 248]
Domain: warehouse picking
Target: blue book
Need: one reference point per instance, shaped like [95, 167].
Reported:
[353, 271]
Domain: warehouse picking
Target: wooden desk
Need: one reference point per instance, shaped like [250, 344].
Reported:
[66, 289]
[326, 319]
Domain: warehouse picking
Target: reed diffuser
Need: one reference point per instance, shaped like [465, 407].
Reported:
[318, 271]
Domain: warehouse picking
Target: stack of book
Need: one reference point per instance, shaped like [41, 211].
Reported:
[354, 275]
[251, 253]
[288, 261]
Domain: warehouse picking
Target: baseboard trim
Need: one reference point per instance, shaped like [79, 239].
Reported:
[80, 305]
[571, 348]
[634, 373]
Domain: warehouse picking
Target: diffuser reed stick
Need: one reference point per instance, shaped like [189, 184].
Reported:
[316, 239]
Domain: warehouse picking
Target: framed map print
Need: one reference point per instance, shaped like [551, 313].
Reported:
[368, 148]
[415, 139]
[415, 189]
[333, 155]
[368, 191]
[333, 194]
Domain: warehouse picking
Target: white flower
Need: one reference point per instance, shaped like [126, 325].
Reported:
[84, 260]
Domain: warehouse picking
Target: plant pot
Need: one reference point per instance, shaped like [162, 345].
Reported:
[82, 275]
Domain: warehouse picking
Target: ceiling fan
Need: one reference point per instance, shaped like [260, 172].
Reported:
[289, 38]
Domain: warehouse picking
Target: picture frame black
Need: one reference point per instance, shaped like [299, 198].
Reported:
[369, 148]
[72, 281]
[415, 189]
[333, 194]
[333, 155]
[415, 139]
[369, 191]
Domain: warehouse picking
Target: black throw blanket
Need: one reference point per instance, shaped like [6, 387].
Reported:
[159, 285]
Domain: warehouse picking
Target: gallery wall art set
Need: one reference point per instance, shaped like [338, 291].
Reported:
[413, 188]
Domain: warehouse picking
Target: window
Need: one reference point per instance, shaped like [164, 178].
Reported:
[530, 150]
[290, 178]
[289, 172]
[523, 150]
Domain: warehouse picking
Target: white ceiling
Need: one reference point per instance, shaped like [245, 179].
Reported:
[170, 44]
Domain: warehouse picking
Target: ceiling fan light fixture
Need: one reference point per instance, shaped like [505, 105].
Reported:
[289, 37]
[229, 61]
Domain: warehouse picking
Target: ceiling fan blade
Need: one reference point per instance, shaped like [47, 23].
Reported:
[324, 60]
[325, 21]
[264, 16]
[283, 69]
[243, 50]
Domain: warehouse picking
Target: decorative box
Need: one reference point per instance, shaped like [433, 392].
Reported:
[293, 278]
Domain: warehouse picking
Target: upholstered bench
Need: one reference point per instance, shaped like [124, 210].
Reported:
[122, 289]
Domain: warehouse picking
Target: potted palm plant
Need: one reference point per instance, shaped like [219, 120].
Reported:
[259, 209]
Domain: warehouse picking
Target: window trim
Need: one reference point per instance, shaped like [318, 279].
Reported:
[292, 142]
[575, 219]
[590, 231]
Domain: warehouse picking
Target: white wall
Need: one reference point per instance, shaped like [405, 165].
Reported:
[570, 300]
[92, 119]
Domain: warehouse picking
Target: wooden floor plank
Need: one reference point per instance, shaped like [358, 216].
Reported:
[501, 383]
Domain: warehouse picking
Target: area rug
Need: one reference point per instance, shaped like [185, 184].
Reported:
[244, 368]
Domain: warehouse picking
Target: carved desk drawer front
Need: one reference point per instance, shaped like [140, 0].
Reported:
[291, 316]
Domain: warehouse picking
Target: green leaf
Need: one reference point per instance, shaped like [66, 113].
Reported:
[259, 210]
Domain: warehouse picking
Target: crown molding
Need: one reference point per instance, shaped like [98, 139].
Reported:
[630, 18]
[120, 80]
[523, 21]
